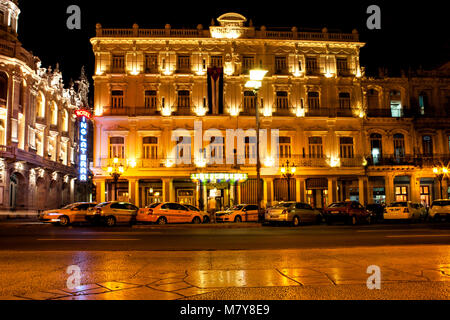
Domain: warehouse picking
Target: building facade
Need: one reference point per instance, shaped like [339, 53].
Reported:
[172, 107]
[37, 128]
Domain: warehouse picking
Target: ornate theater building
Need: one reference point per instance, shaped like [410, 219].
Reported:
[168, 100]
[37, 137]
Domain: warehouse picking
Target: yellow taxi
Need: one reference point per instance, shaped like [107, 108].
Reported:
[73, 213]
[238, 214]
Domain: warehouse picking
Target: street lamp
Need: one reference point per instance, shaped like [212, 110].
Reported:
[288, 171]
[255, 83]
[116, 170]
[440, 173]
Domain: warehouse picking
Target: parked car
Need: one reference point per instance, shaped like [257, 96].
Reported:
[405, 210]
[293, 213]
[349, 212]
[73, 213]
[239, 213]
[112, 213]
[377, 211]
[164, 213]
[439, 209]
[206, 216]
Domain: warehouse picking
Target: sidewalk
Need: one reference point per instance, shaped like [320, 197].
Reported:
[19, 214]
[228, 275]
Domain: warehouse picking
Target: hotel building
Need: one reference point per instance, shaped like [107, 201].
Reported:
[37, 130]
[349, 136]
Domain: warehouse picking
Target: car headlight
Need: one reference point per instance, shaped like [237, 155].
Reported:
[53, 214]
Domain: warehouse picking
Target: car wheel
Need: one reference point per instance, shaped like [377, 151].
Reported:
[206, 220]
[319, 220]
[238, 219]
[110, 221]
[353, 221]
[162, 221]
[296, 221]
[197, 220]
[64, 221]
[328, 222]
[437, 218]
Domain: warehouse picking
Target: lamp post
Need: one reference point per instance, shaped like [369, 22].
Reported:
[116, 170]
[255, 83]
[288, 171]
[440, 173]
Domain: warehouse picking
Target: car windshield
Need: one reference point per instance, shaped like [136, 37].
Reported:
[153, 206]
[283, 205]
[192, 208]
[338, 205]
[399, 205]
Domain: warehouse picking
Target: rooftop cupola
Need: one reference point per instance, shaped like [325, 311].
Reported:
[9, 19]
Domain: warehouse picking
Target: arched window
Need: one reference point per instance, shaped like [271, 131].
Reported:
[54, 114]
[427, 144]
[373, 101]
[399, 147]
[376, 144]
[3, 87]
[40, 105]
[65, 121]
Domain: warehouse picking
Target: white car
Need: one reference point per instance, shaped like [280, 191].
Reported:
[404, 211]
[439, 209]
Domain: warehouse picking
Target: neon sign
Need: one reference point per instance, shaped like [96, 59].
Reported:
[83, 115]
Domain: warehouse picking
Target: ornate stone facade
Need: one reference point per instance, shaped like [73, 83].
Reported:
[349, 135]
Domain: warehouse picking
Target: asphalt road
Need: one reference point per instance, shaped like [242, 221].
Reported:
[34, 236]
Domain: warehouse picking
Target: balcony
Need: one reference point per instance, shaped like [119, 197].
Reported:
[409, 160]
[387, 113]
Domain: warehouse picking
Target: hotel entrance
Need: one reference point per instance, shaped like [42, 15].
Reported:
[317, 193]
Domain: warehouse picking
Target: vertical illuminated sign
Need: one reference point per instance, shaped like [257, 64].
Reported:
[83, 117]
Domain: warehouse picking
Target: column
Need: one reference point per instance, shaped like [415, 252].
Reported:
[232, 194]
[205, 197]
[332, 190]
[415, 189]
[239, 193]
[72, 190]
[265, 193]
[302, 189]
[167, 190]
[270, 192]
[445, 188]
[390, 192]
[101, 191]
[363, 190]
[298, 190]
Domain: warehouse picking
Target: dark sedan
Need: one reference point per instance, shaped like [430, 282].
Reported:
[349, 212]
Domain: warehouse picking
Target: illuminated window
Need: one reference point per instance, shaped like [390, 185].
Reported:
[151, 63]
[184, 63]
[312, 66]
[401, 194]
[249, 101]
[347, 149]
[285, 148]
[216, 61]
[423, 102]
[217, 148]
[344, 101]
[117, 99]
[313, 100]
[282, 101]
[248, 63]
[40, 105]
[65, 121]
[342, 66]
[396, 104]
[3, 87]
[54, 114]
[151, 99]
[184, 99]
[280, 65]
[315, 148]
[150, 148]
[118, 63]
[376, 143]
[117, 147]
[250, 148]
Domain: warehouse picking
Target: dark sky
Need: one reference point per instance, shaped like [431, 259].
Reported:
[412, 33]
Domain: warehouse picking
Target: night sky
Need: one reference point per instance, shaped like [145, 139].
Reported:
[413, 34]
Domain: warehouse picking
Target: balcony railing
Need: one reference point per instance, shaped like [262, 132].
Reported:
[410, 160]
[387, 113]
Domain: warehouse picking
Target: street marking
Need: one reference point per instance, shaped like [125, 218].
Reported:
[391, 230]
[421, 236]
[88, 239]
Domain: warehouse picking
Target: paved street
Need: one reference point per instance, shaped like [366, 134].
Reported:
[244, 261]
